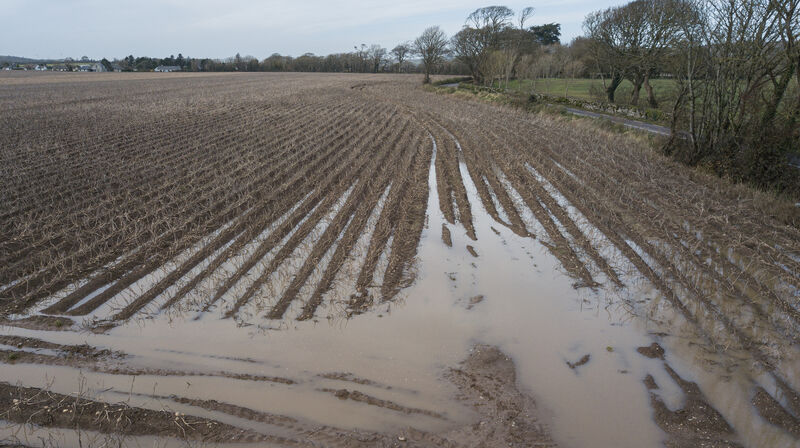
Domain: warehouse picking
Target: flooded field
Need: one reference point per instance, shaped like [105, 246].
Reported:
[347, 260]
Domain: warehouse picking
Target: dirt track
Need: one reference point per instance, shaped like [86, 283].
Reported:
[276, 199]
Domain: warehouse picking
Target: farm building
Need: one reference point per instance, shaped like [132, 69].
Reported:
[95, 67]
[40, 68]
[167, 68]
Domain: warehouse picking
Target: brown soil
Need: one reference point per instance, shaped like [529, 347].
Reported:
[652, 351]
[49, 323]
[696, 424]
[349, 377]
[487, 381]
[775, 413]
[446, 238]
[472, 251]
[344, 394]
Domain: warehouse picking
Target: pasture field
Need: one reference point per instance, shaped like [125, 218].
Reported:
[592, 89]
[352, 260]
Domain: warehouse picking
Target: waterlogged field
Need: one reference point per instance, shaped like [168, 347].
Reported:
[351, 260]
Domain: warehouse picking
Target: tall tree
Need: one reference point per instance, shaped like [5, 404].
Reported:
[610, 42]
[482, 35]
[469, 49]
[652, 28]
[362, 55]
[376, 55]
[512, 43]
[431, 46]
[400, 52]
[547, 34]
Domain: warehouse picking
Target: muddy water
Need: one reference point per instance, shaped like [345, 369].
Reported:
[528, 308]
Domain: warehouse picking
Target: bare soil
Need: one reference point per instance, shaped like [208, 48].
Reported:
[26, 405]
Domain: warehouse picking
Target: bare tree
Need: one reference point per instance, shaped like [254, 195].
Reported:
[491, 19]
[631, 41]
[513, 48]
[469, 49]
[362, 56]
[376, 55]
[431, 46]
[400, 52]
[609, 47]
[652, 27]
[480, 37]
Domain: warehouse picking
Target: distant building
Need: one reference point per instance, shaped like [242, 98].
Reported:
[116, 67]
[40, 68]
[167, 68]
[95, 67]
[60, 68]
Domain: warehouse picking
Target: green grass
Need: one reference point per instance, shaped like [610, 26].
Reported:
[592, 89]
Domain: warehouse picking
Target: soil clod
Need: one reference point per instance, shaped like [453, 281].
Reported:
[446, 238]
[584, 360]
[653, 351]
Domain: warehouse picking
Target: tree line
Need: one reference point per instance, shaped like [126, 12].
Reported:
[364, 59]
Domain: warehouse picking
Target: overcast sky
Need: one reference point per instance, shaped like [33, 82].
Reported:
[221, 28]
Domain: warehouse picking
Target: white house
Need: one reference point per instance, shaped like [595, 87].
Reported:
[40, 68]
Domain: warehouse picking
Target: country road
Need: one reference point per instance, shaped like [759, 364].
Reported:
[653, 128]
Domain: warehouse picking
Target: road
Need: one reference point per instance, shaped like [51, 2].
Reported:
[652, 128]
[794, 160]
